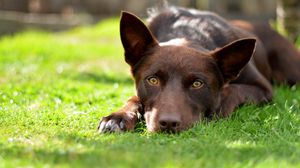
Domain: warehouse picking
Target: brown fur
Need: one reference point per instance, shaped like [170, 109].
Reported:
[208, 73]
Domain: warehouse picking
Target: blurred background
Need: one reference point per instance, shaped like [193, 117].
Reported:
[16, 15]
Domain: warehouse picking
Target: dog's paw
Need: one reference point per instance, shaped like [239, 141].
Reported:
[117, 122]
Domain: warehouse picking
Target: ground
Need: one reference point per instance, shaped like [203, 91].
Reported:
[54, 88]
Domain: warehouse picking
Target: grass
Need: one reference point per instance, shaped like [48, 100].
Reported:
[54, 87]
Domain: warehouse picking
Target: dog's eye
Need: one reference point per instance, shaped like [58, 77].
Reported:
[197, 84]
[152, 80]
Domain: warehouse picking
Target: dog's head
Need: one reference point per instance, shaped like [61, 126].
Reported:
[178, 85]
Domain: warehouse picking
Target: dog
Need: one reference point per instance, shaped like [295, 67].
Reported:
[189, 65]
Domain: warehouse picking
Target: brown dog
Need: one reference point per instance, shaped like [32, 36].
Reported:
[191, 65]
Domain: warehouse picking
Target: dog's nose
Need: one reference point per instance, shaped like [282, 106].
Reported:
[169, 124]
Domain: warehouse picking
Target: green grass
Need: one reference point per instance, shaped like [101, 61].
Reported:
[54, 87]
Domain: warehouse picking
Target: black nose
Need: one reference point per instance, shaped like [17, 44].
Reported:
[169, 124]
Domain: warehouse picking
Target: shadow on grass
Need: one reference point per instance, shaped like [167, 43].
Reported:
[157, 150]
[104, 78]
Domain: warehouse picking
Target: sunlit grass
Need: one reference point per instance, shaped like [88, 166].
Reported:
[54, 87]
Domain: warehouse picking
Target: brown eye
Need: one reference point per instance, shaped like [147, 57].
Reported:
[197, 84]
[152, 80]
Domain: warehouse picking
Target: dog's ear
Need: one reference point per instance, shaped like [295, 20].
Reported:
[136, 38]
[233, 57]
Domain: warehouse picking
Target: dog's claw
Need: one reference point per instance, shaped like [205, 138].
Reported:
[113, 126]
[109, 126]
[101, 126]
[113, 123]
[122, 125]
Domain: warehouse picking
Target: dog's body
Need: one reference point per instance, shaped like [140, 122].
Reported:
[191, 65]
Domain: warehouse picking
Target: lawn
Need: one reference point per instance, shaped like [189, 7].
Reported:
[54, 88]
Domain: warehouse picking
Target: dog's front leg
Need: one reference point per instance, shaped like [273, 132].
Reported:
[234, 95]
[124, 119]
